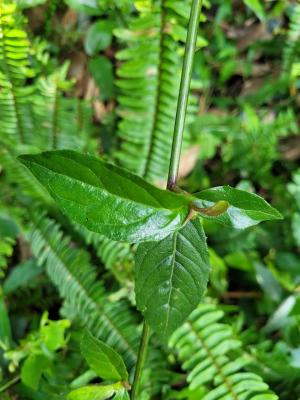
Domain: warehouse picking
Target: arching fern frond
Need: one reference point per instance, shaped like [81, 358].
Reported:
[39, 113]
[15, 115]
[149, 77]
[214, 358]
[117, 257]
[62, 122]
[76, 279]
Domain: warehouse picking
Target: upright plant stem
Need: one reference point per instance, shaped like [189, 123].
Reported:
[175, 154]
[140, 361]
[184, 92]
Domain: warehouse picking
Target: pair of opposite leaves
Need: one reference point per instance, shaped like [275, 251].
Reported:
[172, 265]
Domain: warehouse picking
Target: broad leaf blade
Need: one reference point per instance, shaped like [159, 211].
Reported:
[107, 199]
[102, 359]
[246, 209]
[92, 392]
[171, 277]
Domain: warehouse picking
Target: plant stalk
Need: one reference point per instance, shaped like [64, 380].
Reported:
[185, 83]
[140, 361]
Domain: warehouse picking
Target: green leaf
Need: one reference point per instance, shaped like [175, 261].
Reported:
[33, 368]
[53, 332]
[256, 7]
[93, 393]
[89, 7]
[246, 209]
[5, 328]
[98, 37]
[21, 276]
[101, 69]
[107, 199]
[29, 3]
[102, 359]
[171, 277]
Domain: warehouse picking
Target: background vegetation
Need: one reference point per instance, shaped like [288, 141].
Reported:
[102, 76]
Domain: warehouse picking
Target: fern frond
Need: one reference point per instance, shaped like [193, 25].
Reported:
[62, 122]
[118, 257]
[76, 279]
[213, 358]
[15, 115]
[149, 77]
[292, 46]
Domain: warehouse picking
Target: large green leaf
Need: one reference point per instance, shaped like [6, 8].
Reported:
[245, 209]
[171, 277]
[93, 392]
[107, 199]
[102, 359]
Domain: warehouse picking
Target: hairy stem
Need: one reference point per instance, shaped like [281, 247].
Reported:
[184, 92]
[140, 361]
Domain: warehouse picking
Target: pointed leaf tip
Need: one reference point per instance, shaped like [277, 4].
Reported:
[107, 199]
[102, 359]
[245, 209]
[171, 277]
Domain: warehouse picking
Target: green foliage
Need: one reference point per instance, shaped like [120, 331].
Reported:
[99, 37]
[245, 209]
[21, 276]
[292, 51]
[5, 328]
[107, 199]
[38, 351]
[108, 365]
[76, 279]
[210, 353]
[94, 392]
[6, 250]
[88, 191]
[102, 359]
[242, 131]
[256, 7]
[150, 70]
[171, 277]
[15, 114]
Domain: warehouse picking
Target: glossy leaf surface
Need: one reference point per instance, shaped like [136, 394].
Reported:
[92, 393]
[107, 199]
[246, 209]
[102, 359]
[171, 277]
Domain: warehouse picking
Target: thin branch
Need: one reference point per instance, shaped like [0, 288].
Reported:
[140, 361]
[184, 92]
